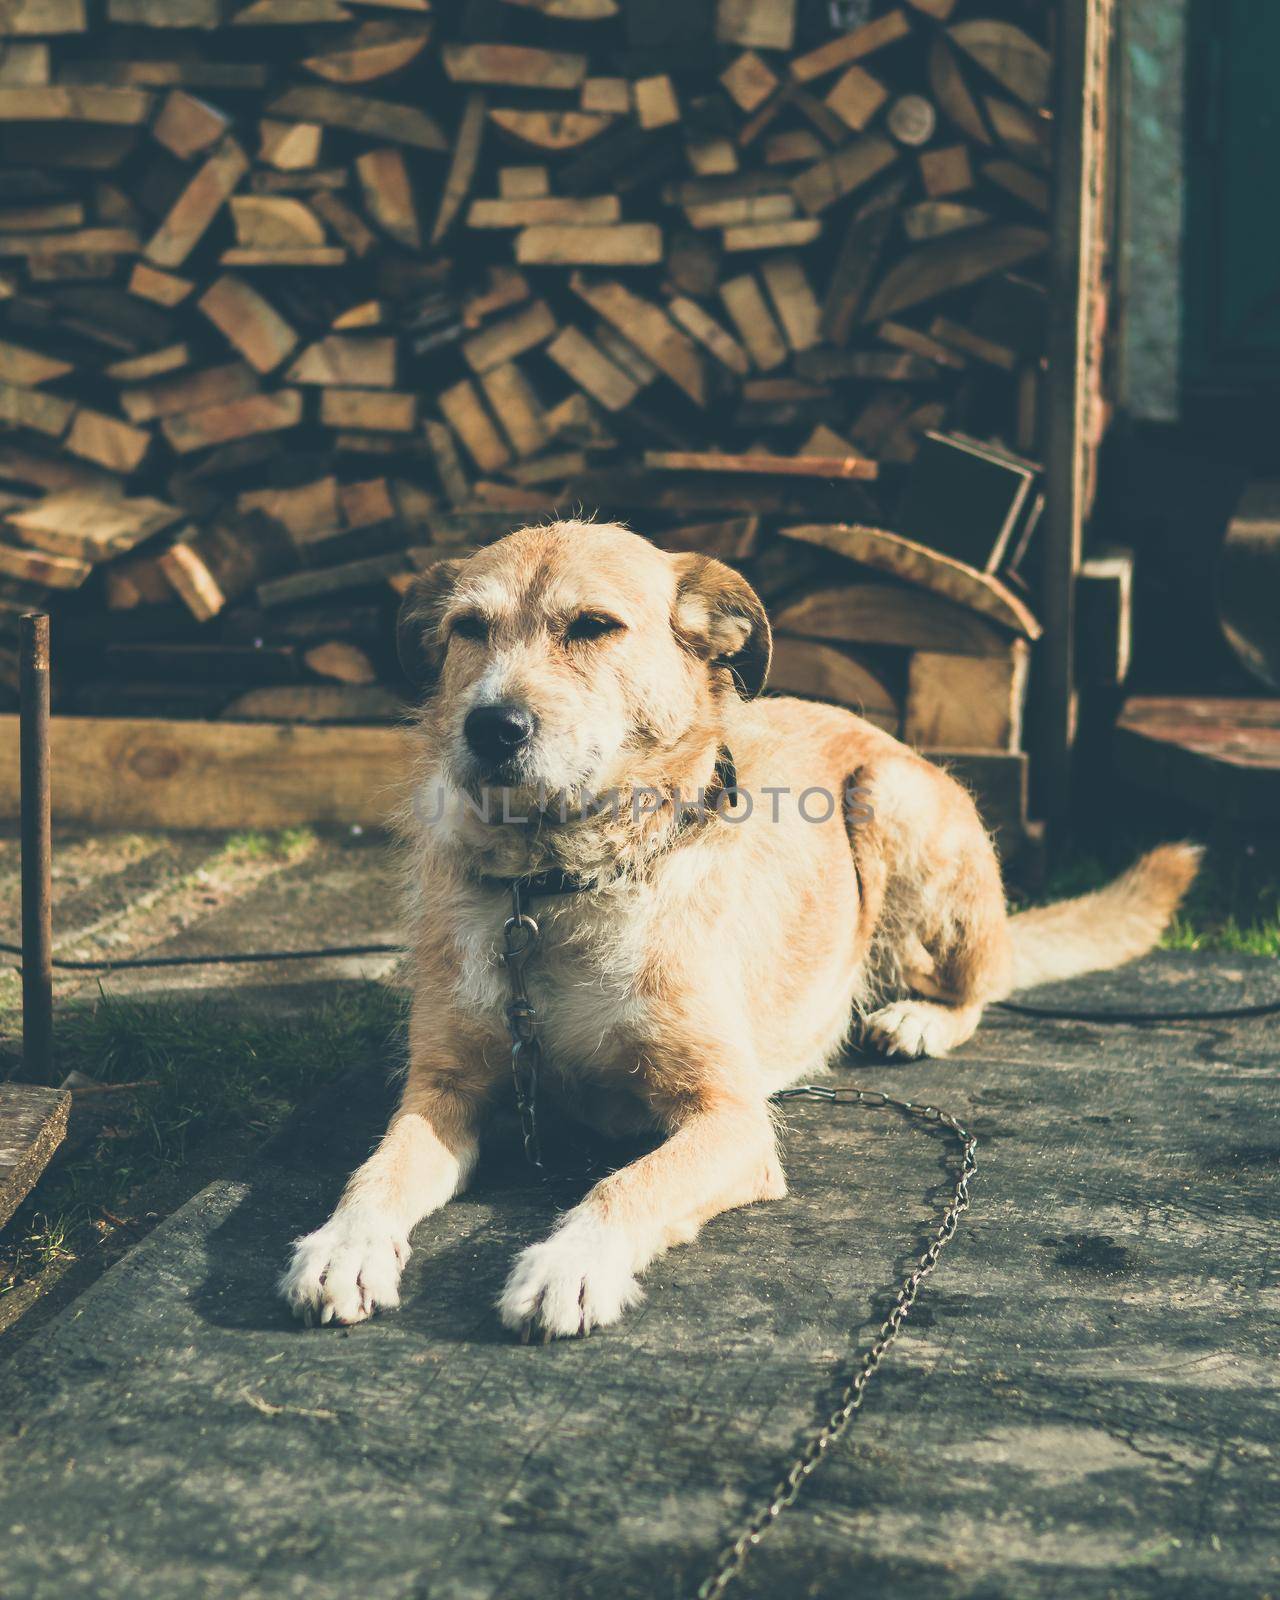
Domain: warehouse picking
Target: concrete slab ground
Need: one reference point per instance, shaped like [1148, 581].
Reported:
[1084, 1403]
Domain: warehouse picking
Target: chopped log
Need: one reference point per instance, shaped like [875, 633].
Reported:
[367, 62]
[950, 263]
[246, 320]
[465, 413]
[946, 171]
[186, 126]
[54, 214]
[109, 107]
[592, 370]
[912, 120]
[939, 10]
[558, 468]
[885, 366]
[449, 470]
[37, 566]
[550, 130]
[298, 256]
[1014, 179]
[88, 526]
[164, 288]
[794, 146]
[462, 168]
[1023, 132]
[772, 235]
[735, 539]
[880, 613]
[27, 368]
[340, 660]
[571, 10]
[856, 97]
[793, 300]
[817, 671]
[620, 244]
[23, 17]
[921, 344]
[388, 195]
[751, 317]
[512, 65]
[197, 205]
[703, 327]
[1011, 56]
[370, 410]
[740, 210]
[317, 581]
[86, 242]
[851, 46]
[748, 81]
[155, 364]
[572, 210]
[347, 361]
[377, 119]
[839, 174]
[656, 105]
[931, 219]
[515, 403]
[289, 146]
[711, 158]
[110, 443]
[756, 24]
[308, 512]
[289, 13]
[29, 408]
[191, 391]
[860, 250]
[187, 431]
[211, 568]
[966, 703]
[609, 95]
[958, 337]
[530, 183]
[842, 467]
[315, 703]
[346, 223]
[649, 329]
[924, 568]
[952, 92]
[503, 341]
[273, 222]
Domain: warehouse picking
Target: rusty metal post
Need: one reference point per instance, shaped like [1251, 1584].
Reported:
[37, 850]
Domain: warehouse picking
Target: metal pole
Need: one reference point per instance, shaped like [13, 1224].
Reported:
[37, 850]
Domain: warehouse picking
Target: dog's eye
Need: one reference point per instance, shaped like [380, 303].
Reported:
[469, 626]
[589, 625]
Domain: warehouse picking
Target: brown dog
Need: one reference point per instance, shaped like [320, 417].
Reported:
[695, 958]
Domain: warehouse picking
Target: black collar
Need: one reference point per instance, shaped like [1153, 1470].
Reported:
[556, 881]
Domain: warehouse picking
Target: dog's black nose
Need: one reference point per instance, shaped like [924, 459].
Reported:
[495, 733]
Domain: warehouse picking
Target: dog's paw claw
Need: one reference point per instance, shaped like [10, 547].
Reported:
[578, 1279]
[345, 1271]
[908, 1029]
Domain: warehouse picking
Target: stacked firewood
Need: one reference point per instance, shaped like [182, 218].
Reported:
[300, 295]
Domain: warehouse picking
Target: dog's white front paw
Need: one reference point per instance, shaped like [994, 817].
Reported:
[909, 1029]
[346, 1270]
[580, 1278]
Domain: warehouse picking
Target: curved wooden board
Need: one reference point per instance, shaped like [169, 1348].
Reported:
[817, 671]
[884, 613]
[950, 263]
[550, 130]
[928, 569]
[1012, 57]
[368, 63]
[952, 92]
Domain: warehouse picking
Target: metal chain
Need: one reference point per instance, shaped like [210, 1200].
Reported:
[730, 1561]
[520, 936]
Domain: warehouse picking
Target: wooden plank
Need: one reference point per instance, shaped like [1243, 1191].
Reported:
[197, 205]
[468, 142]
[120, 773]
[918, 565]
[89, 526]
[116, 445]
[187, 431]
[515, 403]
[388, 195]
[346, 360]
[377, 119]
[124, 108]
[655, 100]
[40, 568]
[851, 46]
[758, 463]
[877, 613]
[950, 263]
[758, 24]
[250, 323]
[649, 329]
[757, 330]
[517, 66]
[190, 391]
[793, 300]
[465, 413]
[1220, 755]
[966, 702]
[29, 408]
[85, 242]
[619, 244]
[930, 219]
[817, 671]
[503, 341]
[316, 703]
[703, 327]
[839, 174]
[865, 238]
[448, 463]
[164, 288]
[23, 17]
[592, 370]
[532, 183]
[574, 210]
[374, 410]
[316, 581]
[33, 1122]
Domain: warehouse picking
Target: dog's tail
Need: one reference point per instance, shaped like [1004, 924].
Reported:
[1107, 927]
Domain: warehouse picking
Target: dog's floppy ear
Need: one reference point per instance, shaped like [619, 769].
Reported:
[720, 615]
[418, 641]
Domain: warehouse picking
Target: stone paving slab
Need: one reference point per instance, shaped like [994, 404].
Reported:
[1084, 1404]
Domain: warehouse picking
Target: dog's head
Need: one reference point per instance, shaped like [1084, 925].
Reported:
[577, 658]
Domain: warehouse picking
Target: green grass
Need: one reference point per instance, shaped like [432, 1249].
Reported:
[201, 1078]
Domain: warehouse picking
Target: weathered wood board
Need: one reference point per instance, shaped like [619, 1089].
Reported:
[33, 1121]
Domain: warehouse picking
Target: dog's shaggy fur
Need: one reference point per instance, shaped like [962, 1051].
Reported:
[710, 961]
